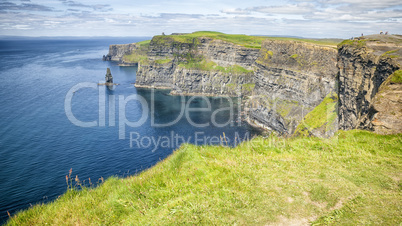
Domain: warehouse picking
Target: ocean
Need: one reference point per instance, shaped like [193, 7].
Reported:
[54, 117]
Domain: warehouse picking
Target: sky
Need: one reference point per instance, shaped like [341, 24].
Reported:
[127, 18]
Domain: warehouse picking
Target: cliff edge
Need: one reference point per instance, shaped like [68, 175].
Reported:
[291, 86]
[366, 100]
[291, 79]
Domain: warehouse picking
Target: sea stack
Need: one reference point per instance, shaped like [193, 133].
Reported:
[108, 77]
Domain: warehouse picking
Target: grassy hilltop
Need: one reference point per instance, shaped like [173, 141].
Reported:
[198, 63]
[352, 178]
[238, 39]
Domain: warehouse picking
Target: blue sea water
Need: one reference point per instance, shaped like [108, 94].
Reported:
[39, 144]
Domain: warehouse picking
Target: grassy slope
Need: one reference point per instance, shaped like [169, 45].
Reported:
[353, 178]
[396, 77]
[321, 117]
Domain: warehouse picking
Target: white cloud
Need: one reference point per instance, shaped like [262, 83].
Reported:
[364, 4]
[237, 11]
[314, 18]
[302, 8]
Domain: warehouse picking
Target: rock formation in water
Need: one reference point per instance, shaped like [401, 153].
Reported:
[108, 77]
[289, 85]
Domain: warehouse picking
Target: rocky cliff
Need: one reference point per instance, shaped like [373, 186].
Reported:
[364, 65]
[117, 52]
[287, 86]
[291, 79]
[198, 66]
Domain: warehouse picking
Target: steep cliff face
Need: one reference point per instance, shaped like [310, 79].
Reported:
[193, 81]
[198, 66]
[287, 86]
[227, 54]
[291, 79]
[221, 52]
[116, 52]
[363, 67]
[387, 106]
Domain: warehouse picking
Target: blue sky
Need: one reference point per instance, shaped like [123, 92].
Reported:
[307, 18]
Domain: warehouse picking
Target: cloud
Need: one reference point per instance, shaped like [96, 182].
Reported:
[179, 16]
[96, 7]
[8, 6]
[302, 8]
[75, 4]
[362, 4]
[335, 15]
[236, 11]
[310, 18]
[102, 8]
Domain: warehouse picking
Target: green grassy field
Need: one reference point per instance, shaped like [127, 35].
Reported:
[239, 39]
[352, 178]
[248, 41]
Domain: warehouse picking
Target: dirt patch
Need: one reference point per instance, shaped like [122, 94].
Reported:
[292, 221]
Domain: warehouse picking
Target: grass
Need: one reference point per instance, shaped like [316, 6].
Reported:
[390, 54]
[355, 42]
[238, 39]
[135, 57]
[397, 77]
[163, 61]
[322, 116]
[243, 40]
[144, 43]
[327, 42]
[352, 178]
[139, 55]
[205, 65]
[248, 87]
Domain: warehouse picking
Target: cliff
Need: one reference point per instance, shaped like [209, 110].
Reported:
[116, 52]
[198, 66]
[364, 65]
[292, 86]
[291, 79]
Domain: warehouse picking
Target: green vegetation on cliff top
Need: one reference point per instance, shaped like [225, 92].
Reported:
[355, 42]
[378, 39]
[144, 43]
[139, 55]
[192, 39]
[352, 178]
[238, 39]
[243, 40]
